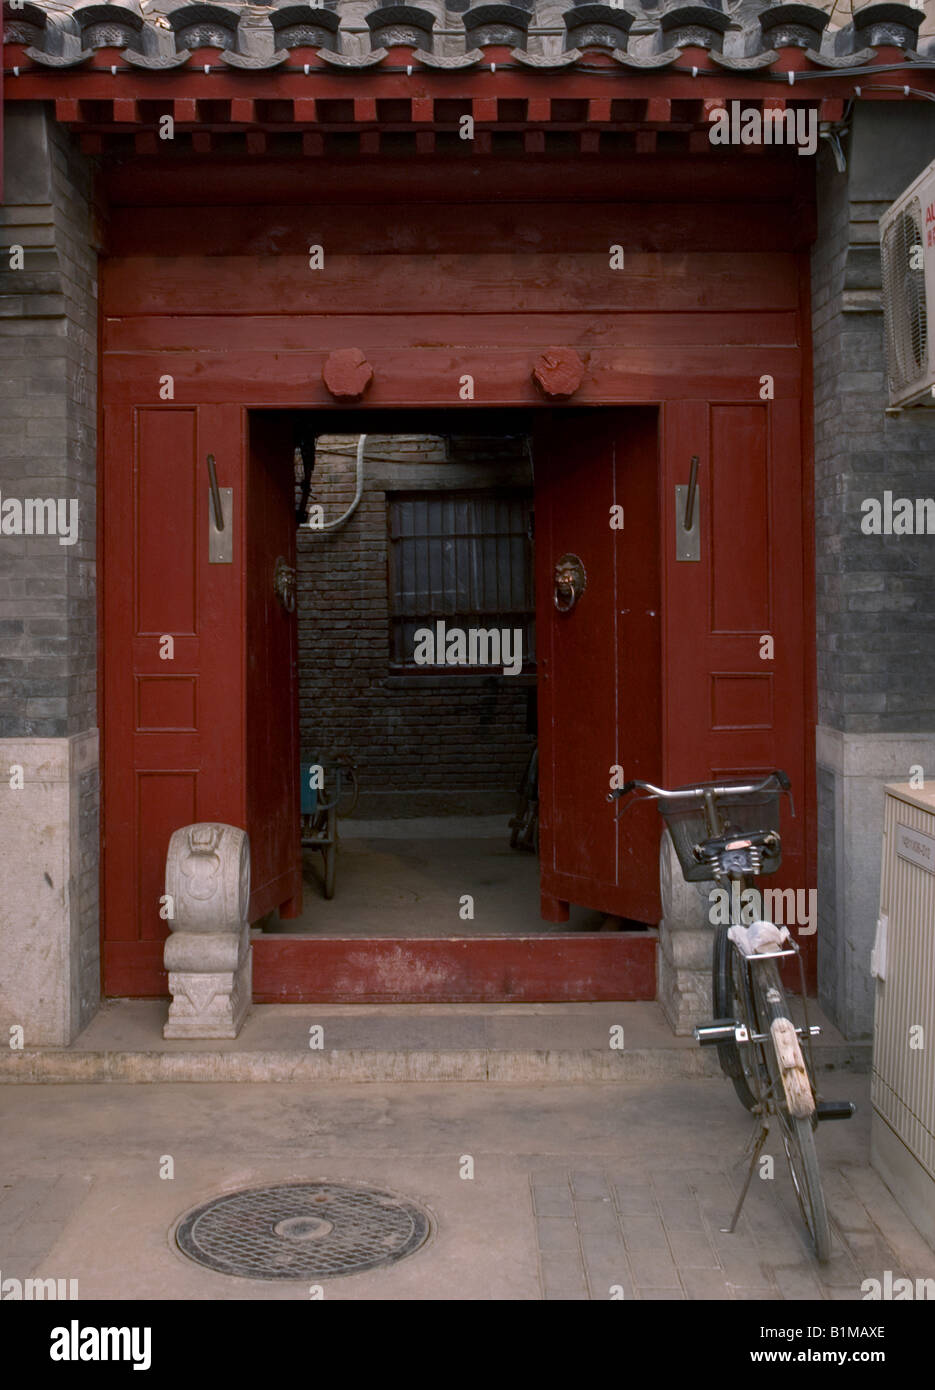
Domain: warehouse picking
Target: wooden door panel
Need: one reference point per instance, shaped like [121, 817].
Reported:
[172, 723]
[272, 757]
[599, 695]
[729, 711]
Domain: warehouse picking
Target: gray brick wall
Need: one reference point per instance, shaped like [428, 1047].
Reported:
[422, 745]
[48, 413]
[48, 449]
[828, 966]
[875, 620]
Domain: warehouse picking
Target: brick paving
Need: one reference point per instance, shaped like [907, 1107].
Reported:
[604, 1233]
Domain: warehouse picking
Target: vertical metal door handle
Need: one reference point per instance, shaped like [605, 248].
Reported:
[215, 494]
[220, 519]
[690, 496]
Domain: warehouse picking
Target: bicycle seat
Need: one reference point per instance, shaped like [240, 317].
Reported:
[741, 852]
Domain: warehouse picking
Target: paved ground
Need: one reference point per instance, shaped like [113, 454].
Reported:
[576, 1189]
[406, 877]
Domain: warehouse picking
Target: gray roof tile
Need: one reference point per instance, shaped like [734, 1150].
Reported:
[746, 36]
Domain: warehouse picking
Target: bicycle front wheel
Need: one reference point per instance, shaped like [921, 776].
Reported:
[798, 1131]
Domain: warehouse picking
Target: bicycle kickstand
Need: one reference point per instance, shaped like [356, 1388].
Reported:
[761, 1140]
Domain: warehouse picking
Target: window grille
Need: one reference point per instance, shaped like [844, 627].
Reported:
[464, 558]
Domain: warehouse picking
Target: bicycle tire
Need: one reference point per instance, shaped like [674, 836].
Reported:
[729, 1003]
[330, 854]
[798, 1138]
[524, 825]
[798, 1132]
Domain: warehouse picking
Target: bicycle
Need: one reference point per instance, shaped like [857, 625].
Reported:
[524, 826]
[728, 832]
[319, 824]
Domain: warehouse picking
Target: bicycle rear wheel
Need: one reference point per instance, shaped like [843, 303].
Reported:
[742, 1063]
[798, 1132]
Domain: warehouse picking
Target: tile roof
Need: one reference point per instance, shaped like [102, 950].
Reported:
[749, 36]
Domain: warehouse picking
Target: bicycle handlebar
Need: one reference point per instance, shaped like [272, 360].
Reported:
[715, 788]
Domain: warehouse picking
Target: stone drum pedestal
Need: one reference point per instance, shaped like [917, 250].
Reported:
[686, 943]
[208, 955]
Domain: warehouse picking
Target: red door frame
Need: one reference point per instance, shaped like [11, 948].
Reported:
[520, 969]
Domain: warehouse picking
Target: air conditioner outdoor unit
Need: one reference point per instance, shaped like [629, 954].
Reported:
[902, 1091]
[907, 247]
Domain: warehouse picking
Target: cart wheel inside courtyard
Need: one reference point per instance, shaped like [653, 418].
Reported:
[330, 852]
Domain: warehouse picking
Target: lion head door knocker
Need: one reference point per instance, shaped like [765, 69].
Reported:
[570, 582]
[284, 584]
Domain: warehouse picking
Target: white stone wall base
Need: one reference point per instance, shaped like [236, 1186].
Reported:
[49, 952]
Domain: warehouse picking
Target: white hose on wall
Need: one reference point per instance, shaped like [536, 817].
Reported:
[333, 525]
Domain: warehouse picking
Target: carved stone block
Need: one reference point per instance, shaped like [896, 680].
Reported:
[208, 954]
[686, 944]
[206, 1003]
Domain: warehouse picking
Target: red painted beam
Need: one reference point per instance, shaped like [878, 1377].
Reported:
[126, 111]
[513, 178]
[98, 84]
[531, 970]
[599, 110]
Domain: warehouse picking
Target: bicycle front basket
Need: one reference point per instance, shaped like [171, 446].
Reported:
[688, 827]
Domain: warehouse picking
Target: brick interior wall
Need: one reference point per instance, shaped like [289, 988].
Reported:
[423, 744]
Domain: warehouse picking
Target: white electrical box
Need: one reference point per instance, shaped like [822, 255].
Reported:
[902, 1141]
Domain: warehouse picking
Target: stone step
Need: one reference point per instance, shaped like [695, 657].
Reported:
[362, 1043]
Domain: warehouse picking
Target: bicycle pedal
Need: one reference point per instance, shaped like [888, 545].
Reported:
[717, 1031]
[835, 1109]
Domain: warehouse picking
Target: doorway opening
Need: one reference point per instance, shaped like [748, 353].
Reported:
[415, 669]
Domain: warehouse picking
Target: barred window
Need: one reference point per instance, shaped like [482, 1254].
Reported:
[464, 558]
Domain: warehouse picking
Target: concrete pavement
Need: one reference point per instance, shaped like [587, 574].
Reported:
[577, 1190]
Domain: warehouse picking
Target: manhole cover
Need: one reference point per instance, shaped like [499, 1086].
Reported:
[302, 1230]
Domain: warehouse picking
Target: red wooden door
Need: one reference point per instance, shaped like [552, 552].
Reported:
[272, 757]
[172, 665]
[734, 702]
[599, 663]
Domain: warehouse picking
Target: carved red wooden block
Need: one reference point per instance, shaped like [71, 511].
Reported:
[558, 371]
[347, 374]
